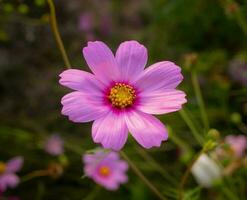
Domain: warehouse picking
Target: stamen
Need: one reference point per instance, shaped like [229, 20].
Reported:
[104, 171]
[122, 95]
[2, 167]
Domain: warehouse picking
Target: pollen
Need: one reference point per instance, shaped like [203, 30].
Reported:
[2, 167]
[104, 171]
[122, 95]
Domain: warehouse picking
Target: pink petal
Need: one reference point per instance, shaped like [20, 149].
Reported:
[54, 145]
[112, 157]
[238, 143]
[166, 101]
[131, 58]
[110, 131]
[146, 129]
[8, 180]
[122, 165]
[81, 107]
[80, 80]
[101, 61]
[109, 183]
[15, 164]
[120, 177]
[161, 75]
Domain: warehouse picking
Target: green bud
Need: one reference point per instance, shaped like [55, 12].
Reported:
[210, 144]
[63, 160]
[23, 9]
[213, 134]
[7, 7]
[40, 2]
[236, 118]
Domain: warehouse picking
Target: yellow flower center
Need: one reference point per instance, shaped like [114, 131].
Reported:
[104, 171]
[2, 167]
[122, 95]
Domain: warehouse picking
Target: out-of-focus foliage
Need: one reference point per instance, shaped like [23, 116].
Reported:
[204, 37]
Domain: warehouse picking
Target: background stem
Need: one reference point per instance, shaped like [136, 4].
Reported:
[54, 27]
[191, 125]
[199, 98]
[142, 177]
[186, 175]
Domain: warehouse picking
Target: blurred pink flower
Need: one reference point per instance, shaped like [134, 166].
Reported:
[54, 145]
[237, 144]
[106, 169]
[106, 25]
[238, 71]
[121, 96]
[8, 177]
[85, 22]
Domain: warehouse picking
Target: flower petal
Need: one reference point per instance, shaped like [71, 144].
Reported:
[110, 131]
[81, 107]
[162, 102]
[8, 180]
[80, 80]
[120, 177]
[131, 58]
[109, 183]
[161, 75]
[101, 61]
[15, 164]
[146, 129]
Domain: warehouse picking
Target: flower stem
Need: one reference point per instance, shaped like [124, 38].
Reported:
[228, 193]
[199, 98]
[53, 22]
[34, 174]
[74, 148]
[93, 194]
[239, 17]
[191, 125]
[178, 141]
[142, 177]
[186, 174]
[155, 165]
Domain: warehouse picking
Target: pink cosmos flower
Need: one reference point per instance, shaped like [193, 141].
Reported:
[237, 144]
[106, 169]
[8, 178]
[120, 95]
[54, 145]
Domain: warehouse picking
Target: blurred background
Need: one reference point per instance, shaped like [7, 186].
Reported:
[208, 39]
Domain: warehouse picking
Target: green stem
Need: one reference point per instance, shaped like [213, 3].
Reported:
[199, 98]
[192, 127]
[183, 145]
[53, 22]
[186, 174]
[34, 174]
[73, 148]
[94, 193]
[142, 177]
[155, 165]
[239, 17]
[228, 193]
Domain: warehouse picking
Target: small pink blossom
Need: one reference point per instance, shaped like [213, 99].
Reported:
[85, 22]
[8, 177]
[237, 144]
[121, 96]
[106, 169]
[54, 145]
